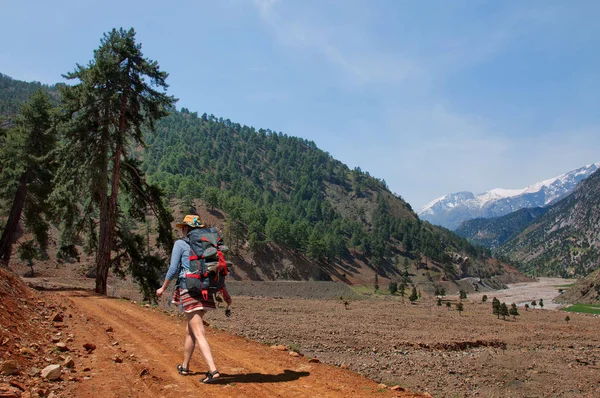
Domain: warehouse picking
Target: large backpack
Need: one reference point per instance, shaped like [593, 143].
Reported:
[208, 267]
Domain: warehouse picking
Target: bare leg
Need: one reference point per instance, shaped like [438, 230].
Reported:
[197, 328]
[188, 346]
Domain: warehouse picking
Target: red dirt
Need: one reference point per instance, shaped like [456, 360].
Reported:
[137, 348]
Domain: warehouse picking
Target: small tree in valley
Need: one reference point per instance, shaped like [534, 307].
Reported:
[513, 311]
[413, 296]
[496, 307]
[402, 289]
[459, 308]
[393, 287]
[484, 298]
[504, 311]
[448, 305]
[462, 294]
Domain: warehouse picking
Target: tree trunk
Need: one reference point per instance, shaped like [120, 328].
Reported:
[108, 209]
[10, 230]
[104, 235]
[104, 239]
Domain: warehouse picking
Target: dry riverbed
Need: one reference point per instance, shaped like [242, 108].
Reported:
[522, 293]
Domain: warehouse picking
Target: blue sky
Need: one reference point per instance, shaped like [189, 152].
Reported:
[432, 96]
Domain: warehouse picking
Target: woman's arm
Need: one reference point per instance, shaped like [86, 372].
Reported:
[173, 267]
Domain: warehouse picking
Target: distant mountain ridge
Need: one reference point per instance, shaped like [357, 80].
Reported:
[453, 209]
[566, 240]
[493, 232]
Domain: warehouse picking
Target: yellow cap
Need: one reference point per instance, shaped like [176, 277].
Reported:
[192, 221]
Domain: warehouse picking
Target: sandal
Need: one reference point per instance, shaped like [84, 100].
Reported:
[210, 377]
[183, 371]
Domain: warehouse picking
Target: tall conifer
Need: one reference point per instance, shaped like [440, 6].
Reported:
[116, 95]
[26, 173]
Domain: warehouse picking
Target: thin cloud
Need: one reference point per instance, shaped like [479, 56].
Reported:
[358, 67]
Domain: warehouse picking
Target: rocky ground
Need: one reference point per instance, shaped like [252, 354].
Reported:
[428, 348]
[422, 347]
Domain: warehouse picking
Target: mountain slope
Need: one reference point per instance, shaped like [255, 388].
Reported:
[288, 210]
[566, 240]
[493, 232]
[283, 190]
[14, 92]
[453, 209]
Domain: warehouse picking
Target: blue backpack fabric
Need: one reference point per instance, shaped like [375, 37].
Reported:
[208, 267]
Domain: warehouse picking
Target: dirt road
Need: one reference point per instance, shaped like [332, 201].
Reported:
[149, 344]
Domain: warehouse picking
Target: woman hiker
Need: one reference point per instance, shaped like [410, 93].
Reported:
[195, 307]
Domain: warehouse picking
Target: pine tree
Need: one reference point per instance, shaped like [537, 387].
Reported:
[462, 294]
[504, 311]
[514, 311]
[459, 308]
[104, 116]
[393, 287]
[413, 296]
[402, 289]
[496, 307]
[26, 174]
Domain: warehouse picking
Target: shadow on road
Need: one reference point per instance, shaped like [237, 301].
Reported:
[287, 375]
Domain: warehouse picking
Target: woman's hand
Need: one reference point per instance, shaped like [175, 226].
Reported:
[160, 291]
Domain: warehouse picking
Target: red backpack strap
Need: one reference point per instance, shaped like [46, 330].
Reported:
[222, 264]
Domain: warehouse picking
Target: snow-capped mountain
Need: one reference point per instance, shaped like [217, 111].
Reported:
[452, 209]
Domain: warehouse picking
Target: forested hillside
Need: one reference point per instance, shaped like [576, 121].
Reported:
[282, 199]
[566, 240]
[284, 190]
[14, 92]
[493, 232]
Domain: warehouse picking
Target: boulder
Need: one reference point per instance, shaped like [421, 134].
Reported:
[33, 372]
[68, 363]
[51, 372]
[62, 347]
[89, 347]
[9, 367]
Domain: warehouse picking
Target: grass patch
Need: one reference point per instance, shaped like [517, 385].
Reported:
[366, 290]
[564, 286]
[584, 308]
